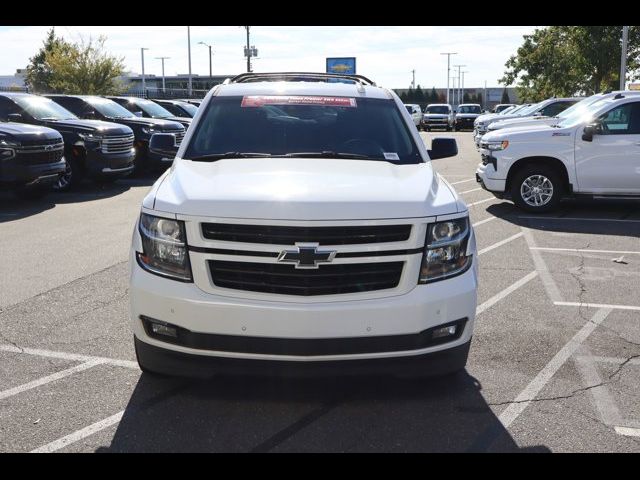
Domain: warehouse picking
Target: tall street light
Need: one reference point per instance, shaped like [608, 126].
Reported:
[448, 54]
[463, 72]
[144, 86]
[190, 85]
[210, 56]
[459, 67]
[623, 59]
[163, 59]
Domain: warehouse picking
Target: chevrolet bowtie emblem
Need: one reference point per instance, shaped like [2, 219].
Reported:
[306, 255]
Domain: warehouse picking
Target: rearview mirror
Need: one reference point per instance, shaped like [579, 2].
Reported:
[591, 130]
[443, 148]
[14, 117]
[164, 145]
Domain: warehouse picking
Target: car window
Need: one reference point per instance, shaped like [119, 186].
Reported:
[621, 120]
[555, 108]
[286, 125]
[7, 107]
[470, 109]
[42, 108]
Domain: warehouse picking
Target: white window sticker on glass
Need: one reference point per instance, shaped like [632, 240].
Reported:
[391, 156]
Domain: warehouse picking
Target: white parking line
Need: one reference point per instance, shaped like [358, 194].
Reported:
[512, 288]
[541, 267]
[80, 434]
[586, 250]
[70, 356]
[481, 201]
[581, 219]
[629, 432]
[49, 378]
[530, 392]
[463, 181]
[469, 191]
[483, 221]
[597, 305]
[500, 243]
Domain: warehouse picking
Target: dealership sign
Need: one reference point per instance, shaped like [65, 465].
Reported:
[342, 66]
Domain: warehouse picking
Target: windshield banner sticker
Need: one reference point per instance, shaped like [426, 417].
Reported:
[391, 156]
[260, 100]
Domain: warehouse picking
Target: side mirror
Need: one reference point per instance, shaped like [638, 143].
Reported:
[14, 117]
[443, 148]
[589, 131]
[138, 114]
[164, 145]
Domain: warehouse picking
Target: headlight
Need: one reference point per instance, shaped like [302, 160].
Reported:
[7, 149]
[445, 254]
[149, 130]
[164, 247]
[9, 144]
[501, 145]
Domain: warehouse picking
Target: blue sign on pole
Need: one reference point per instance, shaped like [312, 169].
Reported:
[344, 65]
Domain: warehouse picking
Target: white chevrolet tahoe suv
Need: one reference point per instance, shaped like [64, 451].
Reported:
[302, 228]
[438, 115]
[593, 152]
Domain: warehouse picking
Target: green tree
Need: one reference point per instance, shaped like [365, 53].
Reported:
[478, 99]
[39, 73]
[411, 94]
[419, 95]
[85, 68]
[505, 96]
[433, 96]
[569, 60]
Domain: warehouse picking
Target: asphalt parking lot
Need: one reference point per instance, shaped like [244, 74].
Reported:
[554, 364]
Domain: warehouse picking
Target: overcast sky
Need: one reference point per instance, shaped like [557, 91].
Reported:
[385, 54]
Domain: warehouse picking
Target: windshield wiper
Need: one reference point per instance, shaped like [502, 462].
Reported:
[49, 119]
[331, 154]
[212, 157]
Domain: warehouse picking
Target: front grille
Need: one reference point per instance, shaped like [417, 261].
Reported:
[287, 280]
[283, 235]
[37, 155]
[179, 136]
[38, 142]
[117, 144]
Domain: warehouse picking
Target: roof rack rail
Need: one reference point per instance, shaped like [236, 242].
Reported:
[299, 76]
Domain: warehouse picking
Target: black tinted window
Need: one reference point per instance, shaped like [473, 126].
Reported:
[438, 109]
[622, 120]
[369, 127]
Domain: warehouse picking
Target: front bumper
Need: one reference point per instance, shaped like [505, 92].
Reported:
[17, 172]
[433, 122]
[290, 326]
[485, 176]
[101, 164]
[461, 123]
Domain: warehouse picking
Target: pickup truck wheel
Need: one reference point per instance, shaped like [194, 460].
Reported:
[537, 188]
[71, 177]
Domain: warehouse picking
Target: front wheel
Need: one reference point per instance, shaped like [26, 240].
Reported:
[537, 189]
[71, 177]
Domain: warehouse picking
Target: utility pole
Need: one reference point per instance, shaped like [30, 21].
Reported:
[448, 54]
[467, 71]
[413, 82]
[210, 57]
[163, 59]
[453, 91]
[623, 59]
[190, 87]
[484, 97]
[459, 67]
[247, 51]
[144, 86]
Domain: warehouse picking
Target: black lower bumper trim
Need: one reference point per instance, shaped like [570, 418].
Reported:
[169, 362]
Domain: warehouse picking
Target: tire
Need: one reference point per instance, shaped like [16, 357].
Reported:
[72, 176]
[537, 176]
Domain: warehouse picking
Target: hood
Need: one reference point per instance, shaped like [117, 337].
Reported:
[157, 123]
[185, 121]
[30, 134]
[521, 122]
[527, 133]
[467, 115]
[487, 116]
[90, 126]
[303, 189]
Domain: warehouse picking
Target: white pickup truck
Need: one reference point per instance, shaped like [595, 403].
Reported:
[302, 228]
[593, 152]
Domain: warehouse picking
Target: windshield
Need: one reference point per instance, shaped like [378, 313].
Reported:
[42, 108]
[109, 108]
[530, 110]
[470, 109]
[151, 108]
[584, 114]
[581, 106]
[501, 108]
[302, 126]
[508, 110]
[442, 109]
[190, 109]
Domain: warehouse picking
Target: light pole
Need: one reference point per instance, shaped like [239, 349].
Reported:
[249, 50]
[190, 86]
[453, 93]
[144, 86]
[448, 54]
[210, 56]
[413, 82]
[163, 59]
[623, 59]
[467, 71]
[459, 67]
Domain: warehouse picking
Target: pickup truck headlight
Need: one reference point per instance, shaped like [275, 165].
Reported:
[445, 255]
[90, 137]
[7, 149]
[148, 130]
[493, 146]
[164, 248]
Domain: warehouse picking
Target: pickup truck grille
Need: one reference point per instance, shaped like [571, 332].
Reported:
[287, 280]
[117, 144]
[41, 154]
[282, 235]
[179, 136]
